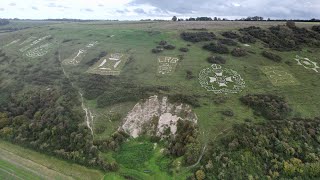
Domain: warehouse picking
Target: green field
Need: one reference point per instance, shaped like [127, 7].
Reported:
[139, 159]
[21, 163]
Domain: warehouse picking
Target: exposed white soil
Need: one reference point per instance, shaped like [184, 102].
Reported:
[32, 38]
[11, 43]
[155, 115]
[103, 62]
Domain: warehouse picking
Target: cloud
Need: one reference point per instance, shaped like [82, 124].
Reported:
[124, 11]
[53, 5]
[87, 9]
[139, 11]
[266, 8]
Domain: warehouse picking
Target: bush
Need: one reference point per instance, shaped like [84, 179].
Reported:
[282, 38]
[228, 42]
[247, 39]
[186, 99]
[96, 59]
[271, 107]
[156, 50]
[238, 52]
[316, 28]
[169, 47]
[163, 43]
[271, 56]
[189, 74]
[66, 40]
[216, 48]
[198, 36]
[216, 60]
[184, 49]
[230, 34]
[228, 113]
[291, 24]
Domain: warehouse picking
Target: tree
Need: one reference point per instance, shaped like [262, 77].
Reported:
[200, 175]
[174, 18]
[4, 121]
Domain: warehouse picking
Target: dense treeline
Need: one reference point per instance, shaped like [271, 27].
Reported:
[4, 22]
[216, 48]
[267, 105]
[185, 142]
[271, 56]
[284, 38]
[270, 150]
[197, 36]
[40, 109]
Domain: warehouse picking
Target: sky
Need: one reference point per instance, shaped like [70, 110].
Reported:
[158, 9]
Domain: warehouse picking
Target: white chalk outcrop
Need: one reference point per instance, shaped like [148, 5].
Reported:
[156, 116]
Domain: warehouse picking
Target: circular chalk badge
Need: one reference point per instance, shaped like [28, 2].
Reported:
[221, 80]
[307, 63]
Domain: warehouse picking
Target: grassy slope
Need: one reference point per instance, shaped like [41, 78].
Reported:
[136, 39]
[21, 161]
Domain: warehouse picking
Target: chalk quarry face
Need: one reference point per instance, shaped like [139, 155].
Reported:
[156, 116]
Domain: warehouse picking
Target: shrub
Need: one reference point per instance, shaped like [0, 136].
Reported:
[186, 99]
[291, 24]
[198, 36]
[216, 60]
[316, 28]
[238, 52]
[156, 50]
[189, 74]
[66, 40]
[228, 113]
[230, 34]
[163, 43]
[282, 38]
[228, 42]
[271, 56]
[271, 107]
[216, 48]
[96, 59]
[184, 49]
[247, 39]
[169, 47]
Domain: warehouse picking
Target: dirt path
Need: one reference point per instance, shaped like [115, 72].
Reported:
[89, 116]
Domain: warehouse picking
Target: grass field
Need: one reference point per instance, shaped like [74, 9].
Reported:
[136, 39]
[20, 163]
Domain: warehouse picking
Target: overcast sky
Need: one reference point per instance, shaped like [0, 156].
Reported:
[155, 9]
